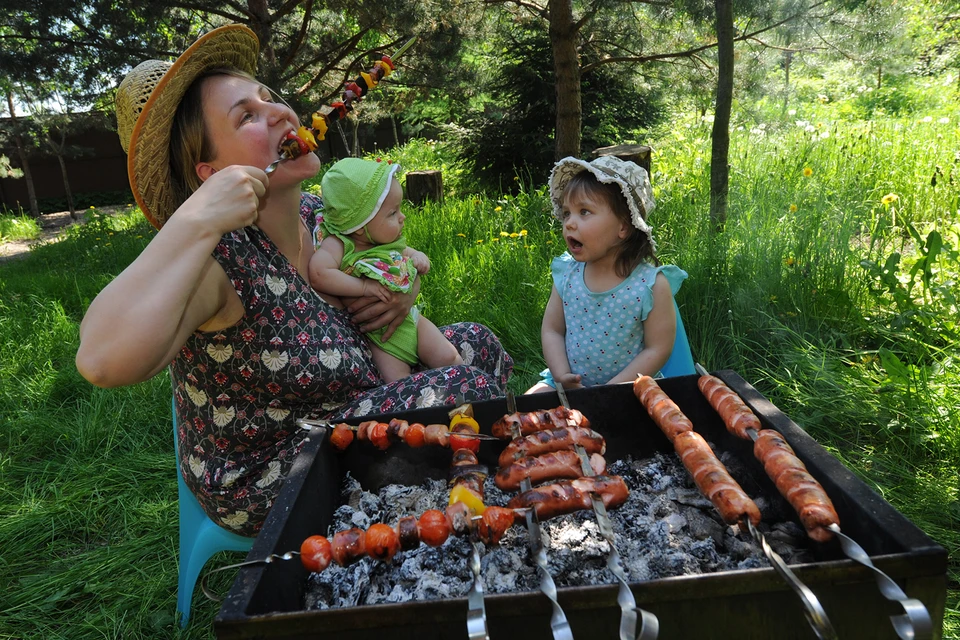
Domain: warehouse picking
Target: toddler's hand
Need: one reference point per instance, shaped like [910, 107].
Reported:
[421, 262]
[570, 381]
[375, 289]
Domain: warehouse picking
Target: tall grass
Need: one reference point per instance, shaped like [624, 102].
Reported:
[804, 301]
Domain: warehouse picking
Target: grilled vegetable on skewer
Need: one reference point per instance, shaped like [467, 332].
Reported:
[383, 435]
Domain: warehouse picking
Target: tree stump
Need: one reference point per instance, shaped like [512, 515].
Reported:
[423, 186]
[637, 153]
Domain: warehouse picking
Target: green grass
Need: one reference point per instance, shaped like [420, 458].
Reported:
[806, 305]
[18, 227]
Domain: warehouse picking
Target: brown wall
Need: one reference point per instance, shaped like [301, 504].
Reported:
[103, 167]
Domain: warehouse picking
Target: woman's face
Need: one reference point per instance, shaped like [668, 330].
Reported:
[245, 127]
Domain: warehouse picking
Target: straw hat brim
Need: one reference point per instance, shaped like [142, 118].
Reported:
[148, 155]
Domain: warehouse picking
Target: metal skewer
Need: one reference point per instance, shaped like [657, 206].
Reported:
[629, 611]
[558, 620]
[304, 423]
[476, 609]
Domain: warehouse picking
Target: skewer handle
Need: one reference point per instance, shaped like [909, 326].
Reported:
[914, 623]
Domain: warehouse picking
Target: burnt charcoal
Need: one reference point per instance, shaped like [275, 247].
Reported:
[666, 528]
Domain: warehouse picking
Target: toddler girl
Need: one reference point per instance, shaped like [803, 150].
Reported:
[611, 314]
[362, 252]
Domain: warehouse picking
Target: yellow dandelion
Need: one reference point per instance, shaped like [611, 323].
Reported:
[504, 234]
[807, 172]
[108, 244]
[514, 235]
[139, 236]
[498, 208]
[793, 208]
[92, 207]
[461, 235]
[480, 241]
[773, 298]
[889, 199]
[790, 261]
[516, 178]
[549, 241]
[494, 239]
[523, 232]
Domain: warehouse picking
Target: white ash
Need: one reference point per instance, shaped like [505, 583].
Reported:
[666, 528]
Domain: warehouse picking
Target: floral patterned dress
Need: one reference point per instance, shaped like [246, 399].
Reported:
[240, 391]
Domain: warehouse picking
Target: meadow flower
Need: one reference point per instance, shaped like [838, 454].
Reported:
[793, 208]
[927, 119]
[514, 235]
[889, 199]
[504, 234]
[807, 172]
[790, 261]
[523, 232]
[498, 208]
[944, 120]
[480, 241]
[461, 235]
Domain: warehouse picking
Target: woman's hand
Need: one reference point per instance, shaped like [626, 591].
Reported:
[228, 200]
[374, 289]
[370, 313]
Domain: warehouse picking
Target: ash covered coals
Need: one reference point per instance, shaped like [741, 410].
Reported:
[666, 528]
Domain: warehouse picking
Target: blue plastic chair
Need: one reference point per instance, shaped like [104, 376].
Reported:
[680, 362]
[200, 538]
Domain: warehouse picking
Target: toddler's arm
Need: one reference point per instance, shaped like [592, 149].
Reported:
[659, 332]
[419, 259]
[326, 277]
[553, 335]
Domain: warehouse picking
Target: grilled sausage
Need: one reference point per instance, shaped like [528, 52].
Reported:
[408, 533]
[436, 434]
[664, 411]
[549, 466]
[568, 496]
[533, 421]
[552, 440]
[795, 483]
[736, 415]
[494, 523]
[713, 480]
[348, 546]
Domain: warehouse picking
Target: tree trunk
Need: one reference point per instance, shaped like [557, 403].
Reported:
[24, 164]
[566, 66]
[423, 186]
[719, 169]
[66, 188]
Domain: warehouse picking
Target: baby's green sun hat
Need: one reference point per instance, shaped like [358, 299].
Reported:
[353, 190]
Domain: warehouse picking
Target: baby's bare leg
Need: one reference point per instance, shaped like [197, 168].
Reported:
[391, 367]
[433, 349]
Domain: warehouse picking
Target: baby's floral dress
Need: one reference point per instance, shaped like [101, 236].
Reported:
[239, 391]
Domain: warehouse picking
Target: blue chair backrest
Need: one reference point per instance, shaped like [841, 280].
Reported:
[680, 362]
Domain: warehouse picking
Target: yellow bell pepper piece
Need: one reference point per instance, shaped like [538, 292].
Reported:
[371, 83]
[457, 419]
[307, 136]
[320, 126]
[474, 502]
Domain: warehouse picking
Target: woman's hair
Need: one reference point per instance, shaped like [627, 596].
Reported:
[633, 249]
[189, 142]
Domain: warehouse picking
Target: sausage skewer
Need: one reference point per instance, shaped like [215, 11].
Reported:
[708, 472]
[808, 498]
[563, 438]
[533, 421]
[789, 474]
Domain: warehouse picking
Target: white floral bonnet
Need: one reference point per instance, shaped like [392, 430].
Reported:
[632, 178]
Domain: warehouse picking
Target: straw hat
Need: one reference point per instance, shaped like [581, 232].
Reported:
[629, 176]
[148, 98]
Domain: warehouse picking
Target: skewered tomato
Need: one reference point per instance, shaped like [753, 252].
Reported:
[378, 436]
[494, 523]
[414, 434]
[315, 553]
[382, 542]
[434, 528]
[463, 442]
[341, 437]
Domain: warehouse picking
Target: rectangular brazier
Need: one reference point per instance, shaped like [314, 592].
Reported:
[267, 601]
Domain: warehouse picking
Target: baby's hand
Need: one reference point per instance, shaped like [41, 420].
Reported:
[421, 262]
[570, 381]
[374, 288]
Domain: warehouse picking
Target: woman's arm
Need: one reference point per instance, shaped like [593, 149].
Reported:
[136, 325]
[553, 336]
[659, 332]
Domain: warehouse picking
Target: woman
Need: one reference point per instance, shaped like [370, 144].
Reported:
[218, 294]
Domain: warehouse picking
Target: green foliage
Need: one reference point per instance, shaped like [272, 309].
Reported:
[87, 200]
[18, 227]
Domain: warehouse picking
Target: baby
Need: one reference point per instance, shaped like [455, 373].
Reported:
[363, 253]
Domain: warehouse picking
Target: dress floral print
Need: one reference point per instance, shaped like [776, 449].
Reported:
[240, 391]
